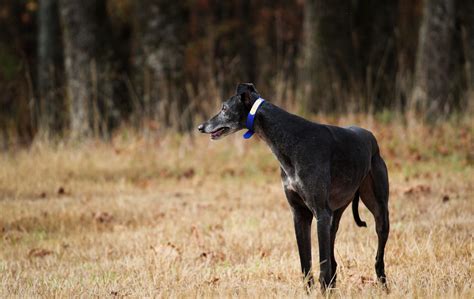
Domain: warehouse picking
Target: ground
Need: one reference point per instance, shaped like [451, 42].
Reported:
[183, 216]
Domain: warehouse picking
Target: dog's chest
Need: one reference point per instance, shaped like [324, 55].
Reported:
[291, 183]
[289, 178]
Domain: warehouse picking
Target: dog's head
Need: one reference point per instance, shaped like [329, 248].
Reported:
[233, 114]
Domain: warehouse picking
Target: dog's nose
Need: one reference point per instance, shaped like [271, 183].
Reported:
[201, 128]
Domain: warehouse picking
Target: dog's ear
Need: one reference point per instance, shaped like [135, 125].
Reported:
[248, 93]
[244, 87]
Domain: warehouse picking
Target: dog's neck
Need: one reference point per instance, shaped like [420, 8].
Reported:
[269, 122]
[271, 125]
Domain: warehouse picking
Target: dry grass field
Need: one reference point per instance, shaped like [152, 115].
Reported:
[182, 216]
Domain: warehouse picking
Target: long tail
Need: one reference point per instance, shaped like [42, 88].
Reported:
[355, 211]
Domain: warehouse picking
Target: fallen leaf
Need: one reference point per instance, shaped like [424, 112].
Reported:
[188, 173]
[213, 280]
[418, 189]
[366, 280]
[39, 252]
[103, 217]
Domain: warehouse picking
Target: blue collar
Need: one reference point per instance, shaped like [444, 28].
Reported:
[251, 117]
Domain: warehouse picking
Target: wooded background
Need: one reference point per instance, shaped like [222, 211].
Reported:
[84, 68]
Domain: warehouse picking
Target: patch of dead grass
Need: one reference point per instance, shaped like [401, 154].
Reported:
[186, 217]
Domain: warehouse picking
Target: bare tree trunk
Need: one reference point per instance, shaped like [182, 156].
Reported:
[246, 40]
[373, 39]
[89, 67]
[80, 30]
[159, 59]
[328, 53]
[466, 12]
[51, 98]
[432, 94]
[407, 25]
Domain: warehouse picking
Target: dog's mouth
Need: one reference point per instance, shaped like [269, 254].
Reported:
[216, 134]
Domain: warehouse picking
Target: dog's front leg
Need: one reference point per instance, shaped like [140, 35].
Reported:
[302, 218]
[323, 216]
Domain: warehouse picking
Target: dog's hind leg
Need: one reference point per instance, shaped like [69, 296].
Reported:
[302, 218]
[324, 216]
[374, 192]
[336, 218]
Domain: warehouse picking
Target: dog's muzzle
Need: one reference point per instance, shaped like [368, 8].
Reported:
[201, 128]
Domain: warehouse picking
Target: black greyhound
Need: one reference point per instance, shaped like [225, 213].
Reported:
[323, 169]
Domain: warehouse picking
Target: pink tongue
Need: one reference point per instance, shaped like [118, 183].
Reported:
[217, 133]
